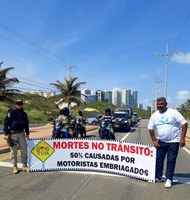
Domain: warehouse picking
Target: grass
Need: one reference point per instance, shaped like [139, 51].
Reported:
[42, 110]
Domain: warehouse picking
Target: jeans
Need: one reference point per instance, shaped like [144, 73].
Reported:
[171, 149]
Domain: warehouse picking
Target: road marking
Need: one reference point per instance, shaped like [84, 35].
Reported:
[186, 150]
[9, 164]
[176, 179]
[125, 136]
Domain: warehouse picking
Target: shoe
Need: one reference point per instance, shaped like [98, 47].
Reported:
[24, 168]
[168, 183]
[15, 169]
[157, 180]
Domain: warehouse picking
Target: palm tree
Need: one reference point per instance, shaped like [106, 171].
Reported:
[69, 91]
[182, 109]
[187, 104]
[6, 93]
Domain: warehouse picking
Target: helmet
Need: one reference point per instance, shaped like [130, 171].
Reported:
[65, 111]
[80, 113]
[107, 111]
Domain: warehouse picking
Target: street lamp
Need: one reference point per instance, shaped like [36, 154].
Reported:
[69, 68]
[166, 71]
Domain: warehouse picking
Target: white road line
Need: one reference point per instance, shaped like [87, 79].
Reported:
[125, 136]
[176, 179]
[186, 150]
[9, 164]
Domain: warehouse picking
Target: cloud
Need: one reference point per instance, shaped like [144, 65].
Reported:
[183, 58]
[182, 96]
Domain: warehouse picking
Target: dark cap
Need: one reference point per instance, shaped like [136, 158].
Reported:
[18, 102]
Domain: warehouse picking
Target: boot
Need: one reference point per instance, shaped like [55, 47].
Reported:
[24, 168]
[15, 169]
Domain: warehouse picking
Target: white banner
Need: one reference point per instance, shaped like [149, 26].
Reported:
[116, 157]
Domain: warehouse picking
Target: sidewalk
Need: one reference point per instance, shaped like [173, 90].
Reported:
[37, 133]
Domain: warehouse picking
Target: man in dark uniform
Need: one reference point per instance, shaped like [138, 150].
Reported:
[109, 119]
[82, 120]
[67, 119]
[16, 130]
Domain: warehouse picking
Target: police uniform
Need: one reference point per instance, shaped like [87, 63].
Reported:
[16, 125]
[83, 120]
[109, 119]
[68, 122]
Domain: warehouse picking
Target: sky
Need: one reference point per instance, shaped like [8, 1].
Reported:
[109, 44]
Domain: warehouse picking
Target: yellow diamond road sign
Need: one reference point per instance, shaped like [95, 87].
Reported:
[42, 151]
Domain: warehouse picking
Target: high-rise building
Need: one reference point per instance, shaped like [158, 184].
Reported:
[129, 98]
[140, 106]
[100, 95]
[116, 97]
[126, 98]
[108, 96]
[87, 97]
[134, 95]
[85, 91]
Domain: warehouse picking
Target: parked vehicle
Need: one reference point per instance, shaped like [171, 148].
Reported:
[93, 119]
[134, 119]
[121, 121]
[59, 130]
[105, 130]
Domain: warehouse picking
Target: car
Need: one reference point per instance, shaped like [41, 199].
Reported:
[93, 119]
[121, 121]
[134, 119]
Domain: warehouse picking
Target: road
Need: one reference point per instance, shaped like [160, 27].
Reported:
[94, 186]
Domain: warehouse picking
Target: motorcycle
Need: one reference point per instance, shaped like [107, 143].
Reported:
[59, 130]
[105, 130]
[79, 129]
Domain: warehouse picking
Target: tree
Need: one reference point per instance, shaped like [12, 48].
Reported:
[187, 104]
[69, 91]
[182, 109]
[6, 93]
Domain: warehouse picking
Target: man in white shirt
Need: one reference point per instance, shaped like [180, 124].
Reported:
[171, 128]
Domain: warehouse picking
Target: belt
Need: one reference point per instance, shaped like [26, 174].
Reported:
[16, 132]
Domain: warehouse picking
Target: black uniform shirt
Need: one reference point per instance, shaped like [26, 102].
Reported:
[16, 120]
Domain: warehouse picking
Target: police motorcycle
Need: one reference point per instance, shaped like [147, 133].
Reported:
[79, 129]
[105, 129]
[64, 125]
[60, 130]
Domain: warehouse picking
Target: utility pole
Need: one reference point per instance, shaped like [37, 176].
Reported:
[166, 70]
[156, 92]
[1, 63]
[70, 68]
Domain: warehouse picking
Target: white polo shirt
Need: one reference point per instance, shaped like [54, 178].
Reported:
[167, 124]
